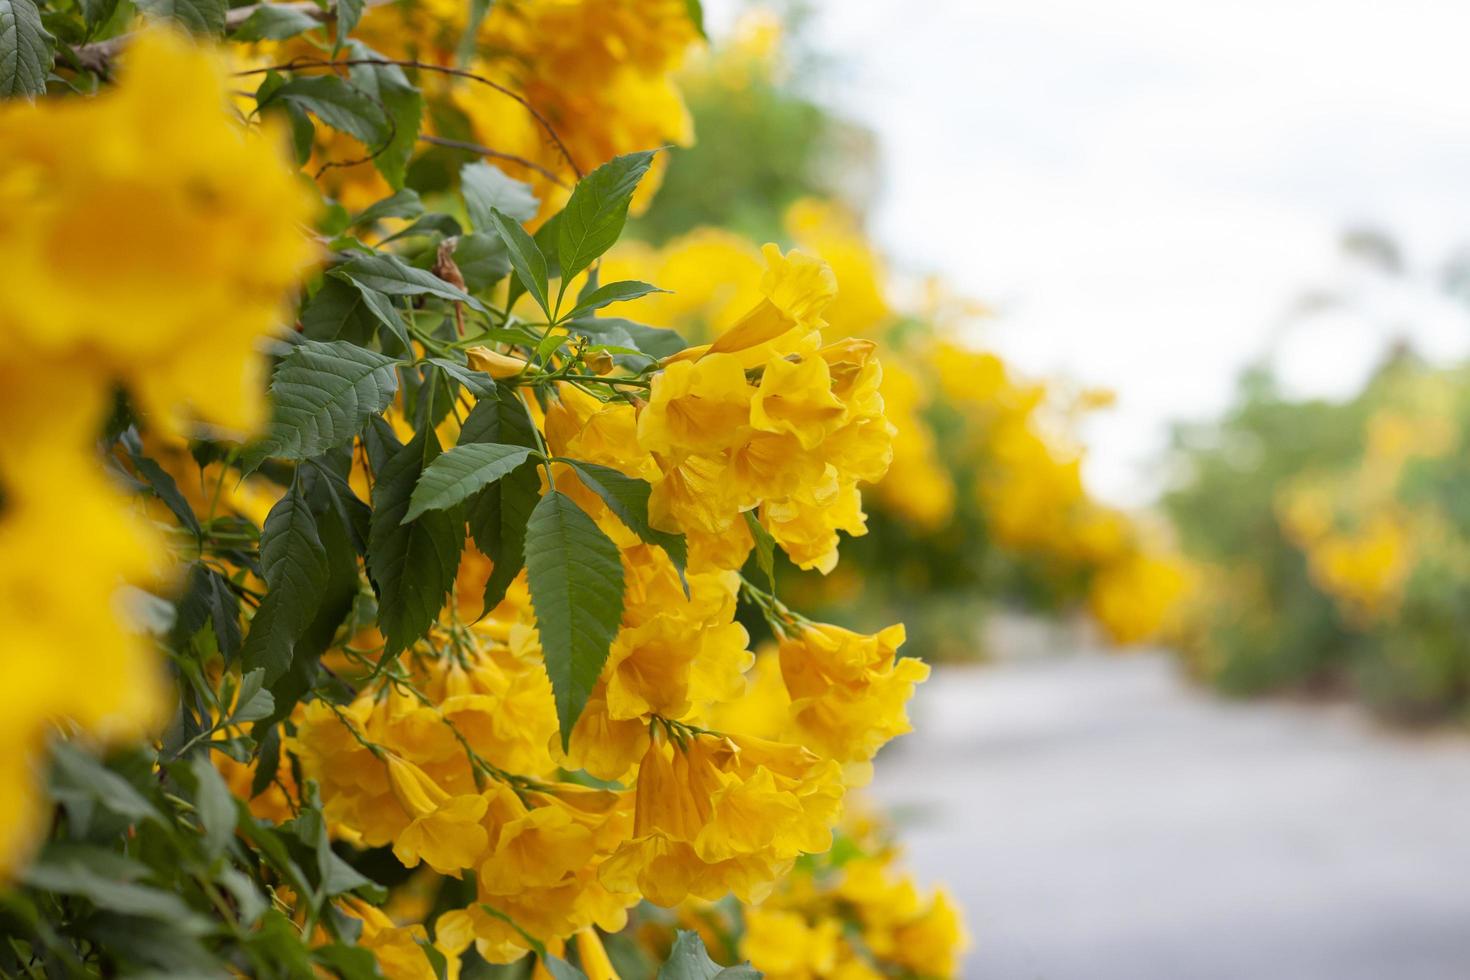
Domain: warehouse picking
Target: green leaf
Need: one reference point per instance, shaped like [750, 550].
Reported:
[274, 22]
[613, 292]
[294, 564]
[161, 483]
[525, 257]
[465, 50]
[462, 471]
[695, 10]
[627, 498]
[656, 342]
[349, 12]
[252, 701]
[199, 16]
[97, 12]
[497, 515]
[214, 803]
[689, 960]
[576, 579]
[560, 969]
[594, 216]
[80, 772]
[482, 259]
[348, 962]
[339, 105]
[323, 392]
[480, 384]
[403, 103]
[765, 548]
[412, 565]
[25, 50]
[340, 310]
[209, 598]
[109, 881]
[403, 204]
[487, 188]
[389, 274]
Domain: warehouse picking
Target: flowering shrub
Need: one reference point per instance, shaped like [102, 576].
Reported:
[1331, 541]
[452, 611]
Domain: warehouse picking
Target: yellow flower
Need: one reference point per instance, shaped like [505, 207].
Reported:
[795, 397]
[155, 245]
[444, 831]
[784, 946]
[494, 363]
[701, 407]
[396, 948]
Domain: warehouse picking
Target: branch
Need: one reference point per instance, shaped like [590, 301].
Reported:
[298, 64]
[485, 151]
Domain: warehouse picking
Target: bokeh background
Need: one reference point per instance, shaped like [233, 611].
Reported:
[1173, 307]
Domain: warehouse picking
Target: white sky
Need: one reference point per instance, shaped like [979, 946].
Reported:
[1142, 187]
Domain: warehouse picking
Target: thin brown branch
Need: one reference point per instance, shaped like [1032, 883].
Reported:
[297, 64]
[485, 151]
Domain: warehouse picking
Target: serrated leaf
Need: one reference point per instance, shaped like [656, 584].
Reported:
[765, 548]
[483, 260]
[498, 514]
[498, 517]
[454, 476]
[294, 565]
[25, 50]
[487, 188]
[525, 257]
[161, 482]
[627, 498]
[274, 22]
[597, 210]
[412, 565]
[576, 577]
[613, 292]
[403, 105]
[323, 392]
[198, 16]
[339, 105]
[340, 311]
[389, 274]
[689, 960]
[214, 804]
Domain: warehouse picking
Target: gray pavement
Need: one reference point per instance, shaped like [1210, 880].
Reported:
[1101, 818]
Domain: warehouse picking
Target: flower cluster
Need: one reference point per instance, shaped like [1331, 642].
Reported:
[1011, 467]
[452, 756]
[850, 914]
[155, 250]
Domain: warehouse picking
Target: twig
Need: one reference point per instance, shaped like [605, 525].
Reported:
[296, 64]
[485, 151]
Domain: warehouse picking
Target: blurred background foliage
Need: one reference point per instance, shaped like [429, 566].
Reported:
[1332, 538]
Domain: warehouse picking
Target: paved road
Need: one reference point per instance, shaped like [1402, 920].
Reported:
[1101, 819]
